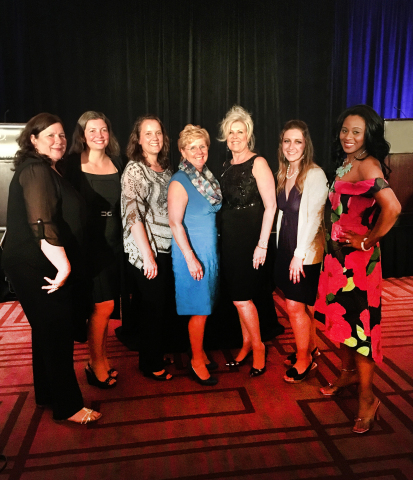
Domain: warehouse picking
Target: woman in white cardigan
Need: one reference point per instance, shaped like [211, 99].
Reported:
[301, 195]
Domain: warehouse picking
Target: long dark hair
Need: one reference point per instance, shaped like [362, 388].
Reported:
[78, 139]
[374, 140]
[134, 149]
[33, 127]
[308, 156]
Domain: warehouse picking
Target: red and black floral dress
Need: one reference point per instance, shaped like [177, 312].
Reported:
[349, 291]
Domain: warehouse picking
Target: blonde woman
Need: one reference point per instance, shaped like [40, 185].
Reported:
[301, 196]
[194, 198]
[247, 216]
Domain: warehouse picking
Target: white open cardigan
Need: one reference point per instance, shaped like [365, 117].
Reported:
[310, 234]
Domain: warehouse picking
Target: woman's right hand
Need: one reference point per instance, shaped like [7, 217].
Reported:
[194, 267]
[150, 268]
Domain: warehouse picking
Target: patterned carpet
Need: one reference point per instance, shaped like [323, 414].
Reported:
[243, 428]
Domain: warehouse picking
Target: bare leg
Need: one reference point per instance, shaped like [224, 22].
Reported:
[348, 375]
[313, 333]
[196, 327]
[249, 319]
[97, 332]
[367, 400]
[301, 325]
[246, 343]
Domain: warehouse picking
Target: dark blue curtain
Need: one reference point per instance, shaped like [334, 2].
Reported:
[379, 37]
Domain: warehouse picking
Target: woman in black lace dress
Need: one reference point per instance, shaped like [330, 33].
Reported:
[247, 216]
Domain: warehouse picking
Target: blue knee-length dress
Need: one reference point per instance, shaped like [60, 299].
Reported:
[197, 297]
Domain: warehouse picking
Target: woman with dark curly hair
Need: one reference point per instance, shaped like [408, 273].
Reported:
[43, 259]
[361, 210]
[147, 239]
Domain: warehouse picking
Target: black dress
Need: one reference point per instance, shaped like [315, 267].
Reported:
[43, 205]
[104, 226]
[242, 214]
[305, 290]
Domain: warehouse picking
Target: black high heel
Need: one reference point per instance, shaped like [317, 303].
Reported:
[256, 372]
[292, 357]
[211, 365]
[292, 375]
[239, 363]
[93, 380]
[209, 382]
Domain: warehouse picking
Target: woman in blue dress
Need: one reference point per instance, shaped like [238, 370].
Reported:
[194, 198]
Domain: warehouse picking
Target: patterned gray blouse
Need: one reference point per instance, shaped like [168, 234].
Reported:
[144, 199]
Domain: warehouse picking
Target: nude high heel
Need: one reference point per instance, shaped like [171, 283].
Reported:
[336, 390]
[368, 421]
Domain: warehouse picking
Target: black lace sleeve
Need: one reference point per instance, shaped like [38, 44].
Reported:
[41, 198]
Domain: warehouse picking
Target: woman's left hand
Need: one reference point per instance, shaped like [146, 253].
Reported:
[296, 268]
[259, 257]
[352, 239]
[57, 282]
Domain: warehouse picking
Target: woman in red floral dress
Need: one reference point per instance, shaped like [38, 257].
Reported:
[361, 209]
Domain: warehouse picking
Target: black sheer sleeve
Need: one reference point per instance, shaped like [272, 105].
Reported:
[41, 198]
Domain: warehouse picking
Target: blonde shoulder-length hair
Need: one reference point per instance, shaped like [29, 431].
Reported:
[237, 114]
[308, 156]
[191, 133]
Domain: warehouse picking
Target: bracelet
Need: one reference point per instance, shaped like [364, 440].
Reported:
[187, 253]
[262, 244]
[362, 246]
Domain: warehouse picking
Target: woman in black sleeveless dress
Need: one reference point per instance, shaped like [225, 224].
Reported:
[94, 168]
[247, 216]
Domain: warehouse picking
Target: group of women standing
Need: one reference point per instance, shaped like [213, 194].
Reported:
[68, 223]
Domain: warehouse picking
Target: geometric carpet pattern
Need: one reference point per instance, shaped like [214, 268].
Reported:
[259, 429]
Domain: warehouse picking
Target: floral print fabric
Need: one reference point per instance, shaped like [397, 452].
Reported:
[349, 292]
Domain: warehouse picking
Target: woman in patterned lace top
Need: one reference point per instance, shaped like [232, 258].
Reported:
[147, 238]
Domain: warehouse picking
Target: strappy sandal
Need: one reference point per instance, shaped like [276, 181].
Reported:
[87, 417]
[93, 380]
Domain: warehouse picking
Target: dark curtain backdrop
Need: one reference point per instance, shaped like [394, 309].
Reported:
[185, 61]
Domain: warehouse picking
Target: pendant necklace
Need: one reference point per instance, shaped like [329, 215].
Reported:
[345, 168]
[293, 175]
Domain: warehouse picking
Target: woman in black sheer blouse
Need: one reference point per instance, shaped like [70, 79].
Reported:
[43, 260]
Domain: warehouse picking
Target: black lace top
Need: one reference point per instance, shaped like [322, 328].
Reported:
[239, 186]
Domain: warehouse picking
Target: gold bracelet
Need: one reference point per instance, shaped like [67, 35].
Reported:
[187, 253]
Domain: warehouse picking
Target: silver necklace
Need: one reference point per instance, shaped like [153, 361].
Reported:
[346, 167]
[293, 175]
